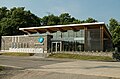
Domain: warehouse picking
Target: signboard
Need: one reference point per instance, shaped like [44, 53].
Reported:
[41, 39]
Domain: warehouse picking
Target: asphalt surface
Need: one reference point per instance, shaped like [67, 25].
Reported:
[38, 68]
[28, 62]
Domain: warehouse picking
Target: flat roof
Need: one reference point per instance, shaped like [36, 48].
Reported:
[68, 25]
[63, 28]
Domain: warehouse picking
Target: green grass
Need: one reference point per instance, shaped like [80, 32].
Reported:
[81, 57]
[16, 54]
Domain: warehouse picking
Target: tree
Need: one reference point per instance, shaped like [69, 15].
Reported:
[50, 20]
[15, 18]
[3, 12]
[115, 32]
[116, 36]
[65, 18]
[116, 41]
[90, 20]
[112, 24]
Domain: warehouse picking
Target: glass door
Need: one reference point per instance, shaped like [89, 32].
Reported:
[56, 46]
[53, 47]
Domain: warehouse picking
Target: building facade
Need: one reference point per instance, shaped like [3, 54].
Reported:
[72, 37]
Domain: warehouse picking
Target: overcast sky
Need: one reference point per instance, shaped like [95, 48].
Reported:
[102, 10]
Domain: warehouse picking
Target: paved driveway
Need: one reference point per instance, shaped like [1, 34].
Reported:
[28, 62]
[45, 68]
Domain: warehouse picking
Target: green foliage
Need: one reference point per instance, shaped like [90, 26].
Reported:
[17, 17]
[90, 20]
[116, 35]
[50, 20]
[11, 20]
[112, 24]
[115, 31]
[81, 57]
[64, 18]
[116, 56]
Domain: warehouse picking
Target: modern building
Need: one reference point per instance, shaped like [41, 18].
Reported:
[71, 37]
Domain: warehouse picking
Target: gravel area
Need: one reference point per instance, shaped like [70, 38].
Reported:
[9, 72]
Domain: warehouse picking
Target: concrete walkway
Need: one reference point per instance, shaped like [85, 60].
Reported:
[107, 69]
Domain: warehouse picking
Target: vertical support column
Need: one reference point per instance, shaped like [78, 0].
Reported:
[15, 39]
[56, 46]
[12, 44]
[101, 38]
[75, 45]
[51, 47]
[63, 46]
[18, 42]
[86, 37]
[18, 38]
[15, 42]
[60, 46]
[12, 39]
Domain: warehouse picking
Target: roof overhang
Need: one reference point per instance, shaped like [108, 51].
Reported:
[63, 28]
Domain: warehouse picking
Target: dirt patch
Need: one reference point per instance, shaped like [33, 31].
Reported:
[9, 72]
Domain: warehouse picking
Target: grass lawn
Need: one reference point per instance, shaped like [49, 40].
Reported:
[16, 54]
[81, 57]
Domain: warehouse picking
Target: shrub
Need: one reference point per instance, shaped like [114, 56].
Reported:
[1, 68]
[116, 56]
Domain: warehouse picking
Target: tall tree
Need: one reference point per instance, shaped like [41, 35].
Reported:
[3, 12]
[65, 18]
[16, 18]
[114, 28]
[50, 20]
[116, 35]
[112, 24]
[90, 20]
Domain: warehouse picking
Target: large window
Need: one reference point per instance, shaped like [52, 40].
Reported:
[80, 33]
[93, 40]
[54, 35]
[64, 34]
[58, 34]
[70, 33]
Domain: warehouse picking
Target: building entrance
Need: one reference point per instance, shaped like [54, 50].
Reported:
[56, 46]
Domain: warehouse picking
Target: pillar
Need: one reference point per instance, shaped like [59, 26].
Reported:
[56, 46]
[60, 46]
[101, 38]
[51, 47]
[86, 38]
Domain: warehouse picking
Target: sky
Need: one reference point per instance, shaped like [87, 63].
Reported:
[101, 10]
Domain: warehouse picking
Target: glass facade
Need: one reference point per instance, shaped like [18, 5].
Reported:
[93, 40]
[70, 35]
[71, 40]
[89, 38]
